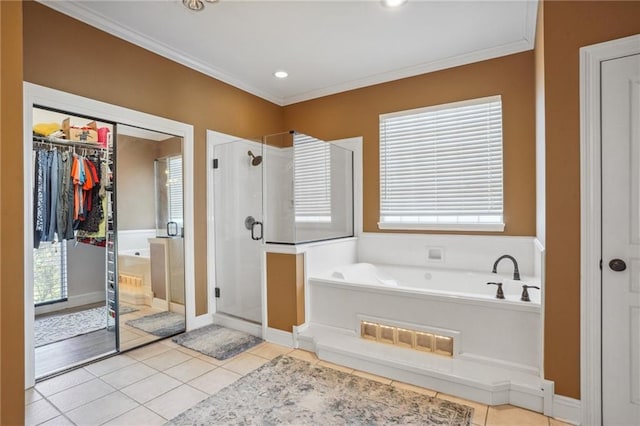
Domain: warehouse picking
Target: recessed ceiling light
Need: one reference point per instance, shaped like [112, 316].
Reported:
[281, 74]
[393, 3]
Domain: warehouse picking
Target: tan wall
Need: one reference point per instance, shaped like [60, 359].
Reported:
[567, 27]
[11, 228]
[355, 113]
[126, 75]
[285, 291]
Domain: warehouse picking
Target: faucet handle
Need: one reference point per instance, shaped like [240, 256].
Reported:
[525, 293]
[499, 293]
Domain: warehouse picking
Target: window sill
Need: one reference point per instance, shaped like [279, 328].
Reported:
[481, 227]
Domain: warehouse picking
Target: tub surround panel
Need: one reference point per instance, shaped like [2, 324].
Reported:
[461, 252]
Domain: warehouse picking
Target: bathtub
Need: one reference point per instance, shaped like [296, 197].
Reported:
[501, 332]
[134, 266]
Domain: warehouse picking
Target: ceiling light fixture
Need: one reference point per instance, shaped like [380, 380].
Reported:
[281, 74]
[393, 3]
[196, 5]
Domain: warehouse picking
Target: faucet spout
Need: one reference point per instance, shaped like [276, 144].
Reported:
[516, 271]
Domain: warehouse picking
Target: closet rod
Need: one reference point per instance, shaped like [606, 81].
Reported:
[65, 142]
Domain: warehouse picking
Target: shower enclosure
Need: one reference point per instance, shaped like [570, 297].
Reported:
[287, 188]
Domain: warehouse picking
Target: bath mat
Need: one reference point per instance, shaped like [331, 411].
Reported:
[291, 391]
[124, 309]
[54, 328]
[160, 324]
[217, 341]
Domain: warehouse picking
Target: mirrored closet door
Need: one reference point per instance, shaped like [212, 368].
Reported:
[150, 236]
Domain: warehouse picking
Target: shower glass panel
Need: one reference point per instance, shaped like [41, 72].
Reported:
[309, 187]
[238, 228]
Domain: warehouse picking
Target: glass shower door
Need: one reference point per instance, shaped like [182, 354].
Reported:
[238, 228]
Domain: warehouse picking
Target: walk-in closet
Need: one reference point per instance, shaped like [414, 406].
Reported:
[107, 269]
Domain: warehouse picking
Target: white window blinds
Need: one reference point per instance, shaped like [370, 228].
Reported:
[312, 177]
[174, 190]
[441, 167]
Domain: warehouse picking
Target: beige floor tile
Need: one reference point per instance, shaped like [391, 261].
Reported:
[373, 377]
[479, 410]
[167, 359]
[170, 343]
[556, 422]
[58, 421]
[304, 355]
[214, 380]
[151, 387]
[39, 412]
[127, 336]
[189, 370]
[336, 366]
[102, 410]
[413, 388]
[81, 394]
[138, 416]
[64, 381]
[245, 363]
[269, 350]
[509, 415]
[176, 401]
[31, 395]
[212, 360]
[148, 351]
[110, 364]
[128, 375]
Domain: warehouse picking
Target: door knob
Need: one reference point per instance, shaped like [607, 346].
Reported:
[617, 265]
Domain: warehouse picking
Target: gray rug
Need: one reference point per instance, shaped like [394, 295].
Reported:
[124, 309]
[160, 324]
[217, 342]
[54, 328]
[290, 391]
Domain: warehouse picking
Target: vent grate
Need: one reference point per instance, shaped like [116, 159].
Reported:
[411, 339]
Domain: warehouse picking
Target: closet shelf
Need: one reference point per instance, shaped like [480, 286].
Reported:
[66, 142]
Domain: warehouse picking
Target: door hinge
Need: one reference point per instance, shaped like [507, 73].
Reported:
[217, 291]
[215, 163]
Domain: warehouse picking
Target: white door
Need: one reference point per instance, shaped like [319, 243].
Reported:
[620, 88]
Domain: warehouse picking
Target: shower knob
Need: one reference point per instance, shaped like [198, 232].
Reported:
[249, 221]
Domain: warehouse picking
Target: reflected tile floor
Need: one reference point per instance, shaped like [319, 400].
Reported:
[155, 383]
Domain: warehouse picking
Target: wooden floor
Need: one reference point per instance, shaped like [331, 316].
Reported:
[76, 350]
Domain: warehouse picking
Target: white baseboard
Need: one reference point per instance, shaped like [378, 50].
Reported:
[280, 337]
[238, 324]
[177, 308]
[72, 302]
[567, 409]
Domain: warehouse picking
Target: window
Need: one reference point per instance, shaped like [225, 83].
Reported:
[312, 177]
[174, 190]
[441, 167]
[50, 273]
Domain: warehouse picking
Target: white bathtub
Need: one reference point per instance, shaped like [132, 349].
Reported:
[437, 282]
[504, 333]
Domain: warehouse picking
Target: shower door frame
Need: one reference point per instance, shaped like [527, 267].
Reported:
[214, 139]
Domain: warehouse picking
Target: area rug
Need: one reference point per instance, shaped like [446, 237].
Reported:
[161, 324]
[124, 309]
[54, 328]
[291, 391]
[217, 341]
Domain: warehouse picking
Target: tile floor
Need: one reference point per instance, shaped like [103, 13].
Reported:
[153, 384]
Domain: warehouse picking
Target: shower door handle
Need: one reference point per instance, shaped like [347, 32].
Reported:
[253, 229]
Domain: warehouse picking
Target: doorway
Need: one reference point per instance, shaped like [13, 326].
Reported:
[610, 263]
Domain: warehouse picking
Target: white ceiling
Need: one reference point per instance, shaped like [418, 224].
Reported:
[326, 46]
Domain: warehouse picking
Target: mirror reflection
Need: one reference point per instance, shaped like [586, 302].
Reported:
[150, 245]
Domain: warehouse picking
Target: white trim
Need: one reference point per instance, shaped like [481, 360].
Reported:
[280, 337]
[238, 324]
[567, 410]
[77, 11]
[72, 302]
[201, 321]
[439, 107]
[590, 221]
[43, 96]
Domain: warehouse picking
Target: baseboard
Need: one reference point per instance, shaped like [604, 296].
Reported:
[567, 409]
[280, 337]
[177, 308]
[238, 324]
[72, 302]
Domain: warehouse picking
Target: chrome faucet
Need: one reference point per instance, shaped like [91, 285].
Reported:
[516, 272]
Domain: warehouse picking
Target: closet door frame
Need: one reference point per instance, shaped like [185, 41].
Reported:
[35, 95]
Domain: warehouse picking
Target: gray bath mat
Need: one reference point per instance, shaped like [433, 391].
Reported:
[161, 324]
[217, 341]
[290, 391]
[124, 309]
[54, 328]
